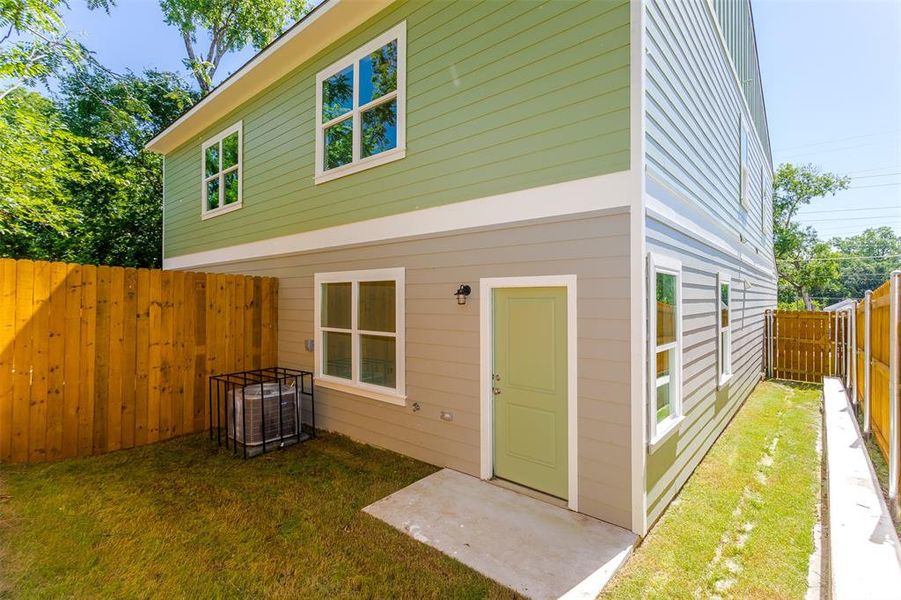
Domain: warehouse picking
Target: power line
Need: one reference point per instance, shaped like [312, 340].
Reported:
[876, 185]
[846, 219]
[858, 209]
[879, 175]
[845, 139]
[840, 149]
[874, 169]
[847, 257]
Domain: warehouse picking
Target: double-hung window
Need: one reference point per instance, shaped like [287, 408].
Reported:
[360, 332]
[361, 108]
[724, 327]
[743, 168]
[220, 189]
[665, 352]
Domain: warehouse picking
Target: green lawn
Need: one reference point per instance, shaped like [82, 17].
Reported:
[186, 519]
[742, 525]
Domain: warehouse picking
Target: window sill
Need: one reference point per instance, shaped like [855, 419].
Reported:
[665, 430]
[350, 388]
[361, 165]
[723, 381]
[220, 211]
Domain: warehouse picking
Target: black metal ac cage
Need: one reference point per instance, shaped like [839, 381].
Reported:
[262, 409]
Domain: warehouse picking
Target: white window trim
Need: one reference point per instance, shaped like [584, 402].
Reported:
[723, 371]
[660, 432]
[204, 213]
[354, 386]
[398, 32]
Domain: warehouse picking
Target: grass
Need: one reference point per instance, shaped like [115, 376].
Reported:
[185, 519]
[742, 525]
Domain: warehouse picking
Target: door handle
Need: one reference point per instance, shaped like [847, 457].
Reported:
[495, 391]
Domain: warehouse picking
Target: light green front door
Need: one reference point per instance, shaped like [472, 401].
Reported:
[529, 388]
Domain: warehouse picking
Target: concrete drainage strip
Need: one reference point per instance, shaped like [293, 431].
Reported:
[862, 554]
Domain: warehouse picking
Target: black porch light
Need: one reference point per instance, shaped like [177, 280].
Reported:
[462, 292]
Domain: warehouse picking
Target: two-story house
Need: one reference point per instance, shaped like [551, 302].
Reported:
[527, 241]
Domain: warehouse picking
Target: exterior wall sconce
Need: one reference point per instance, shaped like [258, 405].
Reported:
[462, 292]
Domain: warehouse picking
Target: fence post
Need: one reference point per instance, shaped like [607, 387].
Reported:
[853, 312]
[849, 332]
[867, 300]
[893, 390]
[835, 348]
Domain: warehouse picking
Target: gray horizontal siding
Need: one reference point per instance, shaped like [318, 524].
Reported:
[442, 341]
[737, 24]
[693, 110]
[707, 410]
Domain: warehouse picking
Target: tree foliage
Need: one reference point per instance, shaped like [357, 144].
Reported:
[866, 260]
[226, 26]
[803, 260]
[34, 41]
[80, 186]
[40, 161]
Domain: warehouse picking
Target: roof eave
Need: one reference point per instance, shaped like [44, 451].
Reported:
[319, 28]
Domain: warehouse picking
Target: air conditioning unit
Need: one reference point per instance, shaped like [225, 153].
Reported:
[267, 410]
[262, 409]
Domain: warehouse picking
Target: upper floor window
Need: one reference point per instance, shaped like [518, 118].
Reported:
[665, 357]
[744, 174]
[724, 328]
[220, 190]
[359, 320]
[766, 201]
[361, 108]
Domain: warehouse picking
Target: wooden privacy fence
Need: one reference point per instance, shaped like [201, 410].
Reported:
[94, 359]
[801, 345]
[874, 382]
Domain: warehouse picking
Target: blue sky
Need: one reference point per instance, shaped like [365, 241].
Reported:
[832, 81]
[831, 72]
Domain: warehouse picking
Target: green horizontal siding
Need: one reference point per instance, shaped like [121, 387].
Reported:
[501, 96]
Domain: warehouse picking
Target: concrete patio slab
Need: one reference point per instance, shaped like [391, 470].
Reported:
[865, 557]
[539, 550]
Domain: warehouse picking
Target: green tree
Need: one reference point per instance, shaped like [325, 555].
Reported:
[226, 26]
[122, 214]
[40, 160]
[803, 261]
[34, 41]
[867, 259]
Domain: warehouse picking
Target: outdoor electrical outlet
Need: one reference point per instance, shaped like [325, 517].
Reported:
[447, 415]
[309, 345]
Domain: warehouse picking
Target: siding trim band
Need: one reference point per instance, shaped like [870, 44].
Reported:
[570, 197]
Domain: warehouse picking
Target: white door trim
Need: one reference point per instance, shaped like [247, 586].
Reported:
[486, 399]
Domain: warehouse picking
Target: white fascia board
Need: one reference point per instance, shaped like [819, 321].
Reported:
[321, 27]
[571, 197]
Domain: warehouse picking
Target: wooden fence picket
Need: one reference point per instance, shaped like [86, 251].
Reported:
[93, 359]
